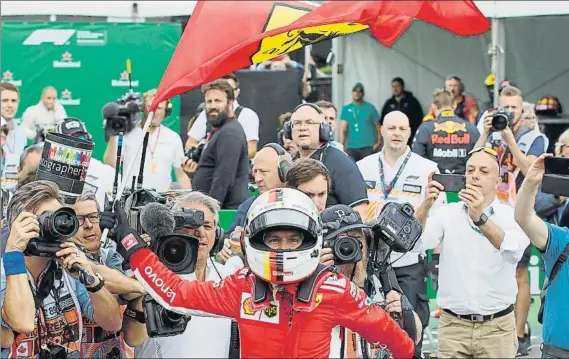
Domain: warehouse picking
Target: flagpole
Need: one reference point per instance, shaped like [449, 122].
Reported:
[129, 170]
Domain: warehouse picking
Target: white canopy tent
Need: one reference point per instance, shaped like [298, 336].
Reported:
[528, 43]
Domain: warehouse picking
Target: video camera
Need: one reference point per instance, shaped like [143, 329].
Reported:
[55, 228]
[123, 114]
[502, 119]
[179, 253]
[397, 227]
[134, 201]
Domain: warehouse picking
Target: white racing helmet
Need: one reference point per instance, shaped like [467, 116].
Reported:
[283, 209]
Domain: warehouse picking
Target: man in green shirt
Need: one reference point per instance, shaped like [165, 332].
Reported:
[360, 126]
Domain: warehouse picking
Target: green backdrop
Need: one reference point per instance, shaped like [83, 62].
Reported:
[86, 63]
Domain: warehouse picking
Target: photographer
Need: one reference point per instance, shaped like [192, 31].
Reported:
[203, 337]
[345, 245]
[41, 301]
[284, 294]
[481, 246]
[552, 241]
[164, 151]
[222, 170]
[311, 132]
[517, 146]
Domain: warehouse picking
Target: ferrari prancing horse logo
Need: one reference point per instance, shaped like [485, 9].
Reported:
[284, 14]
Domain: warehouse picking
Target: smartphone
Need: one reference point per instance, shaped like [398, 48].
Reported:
[451, 182]
[556, 178]
[557, 166]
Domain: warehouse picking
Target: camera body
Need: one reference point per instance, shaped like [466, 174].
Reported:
[189, 218]
[502, 119]
[398, 227]
[55, 228]
[161, 322]
[130, 107]
[195, 153]
[345, 249]
[134, 203]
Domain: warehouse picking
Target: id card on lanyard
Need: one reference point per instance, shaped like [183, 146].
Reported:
[387, 188]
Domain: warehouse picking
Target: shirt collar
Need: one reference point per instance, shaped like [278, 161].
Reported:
[235, 104]
[399, 160]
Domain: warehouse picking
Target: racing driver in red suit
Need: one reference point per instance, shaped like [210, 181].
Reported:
[285, 303]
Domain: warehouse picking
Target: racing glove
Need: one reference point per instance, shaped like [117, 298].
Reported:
[128, 241]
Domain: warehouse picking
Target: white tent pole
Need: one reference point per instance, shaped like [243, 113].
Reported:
[494, 53]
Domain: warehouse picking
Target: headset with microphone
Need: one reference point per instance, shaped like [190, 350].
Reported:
[283, 165]
[324, 130]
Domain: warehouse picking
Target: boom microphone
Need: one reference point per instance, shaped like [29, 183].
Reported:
[111, 110]
[157, 220]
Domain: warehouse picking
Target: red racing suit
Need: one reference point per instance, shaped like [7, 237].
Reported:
[280, 326]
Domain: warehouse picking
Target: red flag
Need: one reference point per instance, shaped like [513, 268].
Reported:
[225, 36]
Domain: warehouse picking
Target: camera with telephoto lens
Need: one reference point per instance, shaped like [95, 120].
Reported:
[129, 110]
[345, 249]
[195, 153]
[56, 227]
[397, 227]
[134, 203]
[502, 119]
[179, 253]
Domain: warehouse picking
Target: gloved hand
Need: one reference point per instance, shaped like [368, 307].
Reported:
[128, 241]
[108, 220]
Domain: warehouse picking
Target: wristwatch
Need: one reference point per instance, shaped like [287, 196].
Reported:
[97, 287]
[483, 219]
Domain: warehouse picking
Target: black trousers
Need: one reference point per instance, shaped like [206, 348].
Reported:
[359, 153]
[413, 282]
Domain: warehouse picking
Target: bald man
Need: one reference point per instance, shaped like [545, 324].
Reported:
[398, 175]
[347, 185]
[477, 270]
[266, 172]
[43, 116]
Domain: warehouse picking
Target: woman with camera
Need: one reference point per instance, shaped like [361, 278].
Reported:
[346, 246]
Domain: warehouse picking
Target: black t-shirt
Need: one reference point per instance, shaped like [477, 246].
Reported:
[223, 169]
[348, 186]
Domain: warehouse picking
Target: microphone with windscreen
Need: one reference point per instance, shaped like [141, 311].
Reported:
[157, 220]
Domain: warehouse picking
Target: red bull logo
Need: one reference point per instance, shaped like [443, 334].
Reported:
[453, 139]
[69, 156]
[450, 127]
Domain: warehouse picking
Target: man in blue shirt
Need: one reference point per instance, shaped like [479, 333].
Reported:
[551, 240]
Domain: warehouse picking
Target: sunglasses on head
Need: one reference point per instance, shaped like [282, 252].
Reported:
[488, 150]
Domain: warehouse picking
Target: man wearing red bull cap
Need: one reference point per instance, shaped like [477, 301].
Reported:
[448, 139]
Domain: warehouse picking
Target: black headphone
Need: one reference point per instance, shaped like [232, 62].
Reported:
[454, 77]
[324, 131]
[283, 165]
[218, 242]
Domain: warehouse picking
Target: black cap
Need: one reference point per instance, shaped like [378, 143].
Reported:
[73, 127]
[340, 218]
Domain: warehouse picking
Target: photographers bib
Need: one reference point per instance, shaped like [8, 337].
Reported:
[65, 161]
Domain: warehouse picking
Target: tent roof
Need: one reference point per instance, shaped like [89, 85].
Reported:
[114, 9]
[123, 9]
[501, 9]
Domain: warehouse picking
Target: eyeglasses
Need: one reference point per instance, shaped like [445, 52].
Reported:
[488, 150]
[92, 217]
[297, 123]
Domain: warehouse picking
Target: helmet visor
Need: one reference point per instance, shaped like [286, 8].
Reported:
[283, 219]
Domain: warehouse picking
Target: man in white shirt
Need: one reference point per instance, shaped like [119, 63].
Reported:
[246, 117]
[100, 177]
[204, 337]
[398, 175]
[481, 245]
[44, 115]
[331, 115]
[15, 139]
[164, 152]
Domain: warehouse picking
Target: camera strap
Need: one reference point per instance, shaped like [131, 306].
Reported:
[387, 188]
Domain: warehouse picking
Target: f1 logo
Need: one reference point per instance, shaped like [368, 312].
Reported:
[53, 36]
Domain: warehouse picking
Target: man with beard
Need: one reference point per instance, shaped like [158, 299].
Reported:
[223, 168]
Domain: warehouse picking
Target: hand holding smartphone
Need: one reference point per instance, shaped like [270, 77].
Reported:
[451, 182]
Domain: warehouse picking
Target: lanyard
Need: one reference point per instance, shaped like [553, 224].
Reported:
[387, 188]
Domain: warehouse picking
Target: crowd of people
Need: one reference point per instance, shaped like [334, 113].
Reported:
[275, 284]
